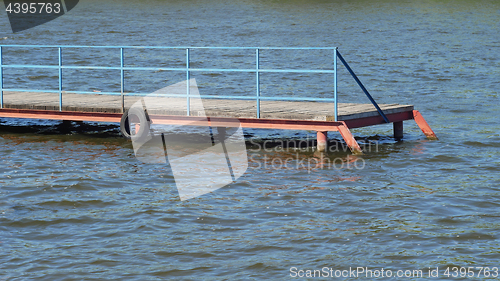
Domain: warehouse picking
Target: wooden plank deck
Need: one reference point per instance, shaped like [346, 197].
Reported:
[318, 111]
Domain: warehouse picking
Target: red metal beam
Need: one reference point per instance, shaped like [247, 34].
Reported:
[61, 115]
[246, 123]
[349, 139]
[212, 121]
[375, 120]
[175, 120]
[426, 129]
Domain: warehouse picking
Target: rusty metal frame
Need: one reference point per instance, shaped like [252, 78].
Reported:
[282, 124]
[422, 124]
[61, 115]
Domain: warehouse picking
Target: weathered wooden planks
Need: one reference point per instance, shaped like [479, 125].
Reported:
[212, 107]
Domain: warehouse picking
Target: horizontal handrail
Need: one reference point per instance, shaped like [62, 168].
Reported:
[174, 47]
[171, 68]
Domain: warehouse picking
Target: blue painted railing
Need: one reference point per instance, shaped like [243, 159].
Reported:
[187, 69]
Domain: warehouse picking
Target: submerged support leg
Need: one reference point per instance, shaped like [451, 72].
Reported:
[349, 139]
[65, 126]
[322, 141]
[398, 130]
[426, 129]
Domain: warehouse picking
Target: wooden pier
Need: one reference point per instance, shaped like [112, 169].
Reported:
[318, 116]
[184, 107]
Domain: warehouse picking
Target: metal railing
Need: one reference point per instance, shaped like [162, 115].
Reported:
[187, 69]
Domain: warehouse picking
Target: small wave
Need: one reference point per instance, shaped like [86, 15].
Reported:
[482, 144]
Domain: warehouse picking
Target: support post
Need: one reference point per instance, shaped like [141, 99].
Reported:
[335, 85]
[398, 130]
[322, 141]
[187, 82]
[60, 79]
[1, 78]
[258, 81]
[65, 127]
[422, 124]
[122, 80]
[349, 139]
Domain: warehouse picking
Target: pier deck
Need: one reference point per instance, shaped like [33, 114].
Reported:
[290, 110]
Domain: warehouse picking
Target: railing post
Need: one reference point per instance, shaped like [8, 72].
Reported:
[60, 79]
[257, 80]
[122, 80]
[187, 82]
[335, 85]
[1, 78]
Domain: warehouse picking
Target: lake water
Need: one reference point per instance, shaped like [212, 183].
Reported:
[79, 206]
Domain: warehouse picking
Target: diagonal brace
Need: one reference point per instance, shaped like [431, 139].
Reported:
[362, 87]
[349, 138]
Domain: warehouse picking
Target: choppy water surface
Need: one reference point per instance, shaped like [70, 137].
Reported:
[79, 206]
